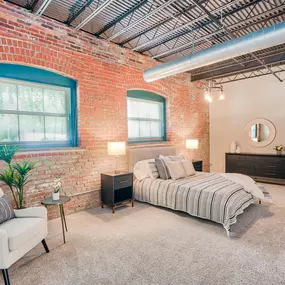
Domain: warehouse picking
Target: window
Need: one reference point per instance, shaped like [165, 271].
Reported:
[35, 115]
[146, 117]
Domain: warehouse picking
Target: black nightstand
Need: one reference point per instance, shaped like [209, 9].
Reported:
[198, 165]
[116, 189]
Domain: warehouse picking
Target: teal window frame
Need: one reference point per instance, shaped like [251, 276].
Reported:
[40, 76]
[149, 96]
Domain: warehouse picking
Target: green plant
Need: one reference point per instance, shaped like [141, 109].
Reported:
[57, 184]
[278, 147]
[7, 153]
[16, 177]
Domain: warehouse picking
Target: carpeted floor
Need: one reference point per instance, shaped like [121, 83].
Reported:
[150, 245]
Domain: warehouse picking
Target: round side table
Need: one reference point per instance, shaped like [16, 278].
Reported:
[62, 200]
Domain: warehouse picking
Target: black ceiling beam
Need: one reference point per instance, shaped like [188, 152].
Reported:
[233, 31]
[74, 14]
[247, 75]
[32, 5]
[272, 59]
[120, 18]
[178, 14]
[202, 25]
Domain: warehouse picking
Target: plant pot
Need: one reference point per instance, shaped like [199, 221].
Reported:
[15, 208]
[279, 152]
[55, 196]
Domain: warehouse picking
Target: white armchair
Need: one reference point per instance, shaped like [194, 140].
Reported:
[20, 235]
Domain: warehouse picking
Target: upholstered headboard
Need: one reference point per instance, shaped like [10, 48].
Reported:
[137, 154]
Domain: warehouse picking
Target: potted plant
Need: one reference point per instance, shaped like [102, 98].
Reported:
[56, 188]
[278, 149]
[16, 177]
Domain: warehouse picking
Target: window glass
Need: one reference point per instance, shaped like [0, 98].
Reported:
[32, 112]
[146, 117]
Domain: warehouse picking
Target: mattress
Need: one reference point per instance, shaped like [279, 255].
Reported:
[210, 196]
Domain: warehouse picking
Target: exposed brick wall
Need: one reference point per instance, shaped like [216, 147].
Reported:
[104, 73]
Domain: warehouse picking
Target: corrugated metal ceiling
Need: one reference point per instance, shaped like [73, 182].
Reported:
[167, 29]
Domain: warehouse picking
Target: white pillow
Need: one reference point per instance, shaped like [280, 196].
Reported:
[171, 157]
[176, 169]
[142, 169]
[153, 170]
[188, 167]
[165, 158]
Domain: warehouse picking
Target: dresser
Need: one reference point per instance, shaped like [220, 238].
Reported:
[261, 167]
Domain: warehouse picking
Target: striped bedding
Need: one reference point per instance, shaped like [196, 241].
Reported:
[205, 195]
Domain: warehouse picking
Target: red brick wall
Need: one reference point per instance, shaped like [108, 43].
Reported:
[104, 73]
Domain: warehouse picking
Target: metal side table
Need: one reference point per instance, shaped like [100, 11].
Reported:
[62, 200]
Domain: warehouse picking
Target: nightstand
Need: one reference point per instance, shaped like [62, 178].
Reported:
[198, 165]
[116, 189]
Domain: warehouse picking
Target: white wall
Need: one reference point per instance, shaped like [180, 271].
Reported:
[262, 97]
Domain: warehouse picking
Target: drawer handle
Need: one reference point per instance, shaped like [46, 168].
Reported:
[123, 181]
[270, 173]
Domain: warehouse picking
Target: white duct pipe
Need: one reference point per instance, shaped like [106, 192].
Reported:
[262, 39]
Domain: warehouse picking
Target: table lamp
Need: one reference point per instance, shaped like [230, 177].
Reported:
[116, 148]
[192, 144]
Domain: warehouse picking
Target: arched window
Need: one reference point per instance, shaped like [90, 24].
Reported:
[146, 117]
[37, 108]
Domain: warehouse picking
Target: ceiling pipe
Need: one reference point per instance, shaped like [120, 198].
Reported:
[261, 39]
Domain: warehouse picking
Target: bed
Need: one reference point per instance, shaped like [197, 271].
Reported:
[219, 197]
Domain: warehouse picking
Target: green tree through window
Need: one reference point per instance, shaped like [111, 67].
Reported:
[36, 114]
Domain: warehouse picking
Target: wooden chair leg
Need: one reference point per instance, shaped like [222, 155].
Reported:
[45, 245]
[6, 276]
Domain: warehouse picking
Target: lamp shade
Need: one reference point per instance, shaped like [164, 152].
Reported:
[116, 148]
[192, 144]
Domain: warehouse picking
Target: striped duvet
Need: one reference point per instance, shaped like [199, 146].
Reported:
[205, 195]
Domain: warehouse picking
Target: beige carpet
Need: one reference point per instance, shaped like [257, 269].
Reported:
[151, 245]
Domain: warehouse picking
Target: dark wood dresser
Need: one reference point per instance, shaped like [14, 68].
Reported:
[261, 167]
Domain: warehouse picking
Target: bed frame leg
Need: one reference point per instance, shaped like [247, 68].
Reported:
[228, 232]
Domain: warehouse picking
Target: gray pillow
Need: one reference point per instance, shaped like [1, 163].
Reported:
[6, 210]
[172, 157]
[162, 168]
[176, 157]
[153, 170]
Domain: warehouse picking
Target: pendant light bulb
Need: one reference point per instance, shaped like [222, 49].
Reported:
[222, 95]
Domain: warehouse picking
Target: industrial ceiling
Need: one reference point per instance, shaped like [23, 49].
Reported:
[170, 29]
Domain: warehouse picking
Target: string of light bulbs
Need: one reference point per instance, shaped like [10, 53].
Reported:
[208, 92]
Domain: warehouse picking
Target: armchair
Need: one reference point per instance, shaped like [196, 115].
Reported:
[20, 235]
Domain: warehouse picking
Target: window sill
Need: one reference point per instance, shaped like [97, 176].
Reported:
[130, 142]
[48, 152]
[151, 144]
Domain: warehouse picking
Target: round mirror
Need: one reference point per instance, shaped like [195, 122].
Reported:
[261, 132]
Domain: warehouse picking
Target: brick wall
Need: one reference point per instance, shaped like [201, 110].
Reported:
[104, 73]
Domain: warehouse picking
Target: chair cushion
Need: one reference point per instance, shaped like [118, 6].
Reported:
[6, 210]
[21, 230]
